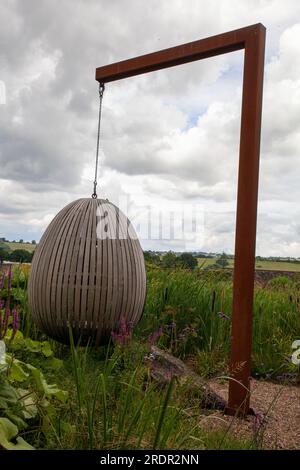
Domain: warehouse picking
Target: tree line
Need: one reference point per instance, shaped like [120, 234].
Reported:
[171, 260]
[16, 256]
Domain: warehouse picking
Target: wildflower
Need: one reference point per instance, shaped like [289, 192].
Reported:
[155, 336]
[9, 276]
[124, 336]
[6, 318]
[2, 281]
[171, 326]
[223, 315]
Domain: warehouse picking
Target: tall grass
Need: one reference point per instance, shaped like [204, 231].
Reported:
[114, 403]
[194, 313]
[124, 408]
[130, 411]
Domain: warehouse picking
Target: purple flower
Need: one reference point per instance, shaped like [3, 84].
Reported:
[2, 281]
[2, 303]
[171, 326]
[154, 336]
[6, 318]
[223, 315]
[124, 335]
[9, 276]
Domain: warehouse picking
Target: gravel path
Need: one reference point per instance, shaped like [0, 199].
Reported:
[277, 420]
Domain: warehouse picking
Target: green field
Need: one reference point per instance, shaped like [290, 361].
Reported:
[20, 246]
[203, 262]
[263, 265]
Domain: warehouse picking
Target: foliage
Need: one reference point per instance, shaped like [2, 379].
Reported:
[119, 405]
[20, 256]
[56, 397]
[151, 257]
[169, 260]
[222, 261]
[280, 282]
[26, 398]
[188, 261]
[9, 432]
[4, 252]
[193, 311]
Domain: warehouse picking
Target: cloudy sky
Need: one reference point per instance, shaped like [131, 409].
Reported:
[169, 139]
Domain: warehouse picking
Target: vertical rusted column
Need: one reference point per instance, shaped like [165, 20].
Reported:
[244, 264]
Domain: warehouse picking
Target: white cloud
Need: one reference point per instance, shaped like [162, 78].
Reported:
[169, 136]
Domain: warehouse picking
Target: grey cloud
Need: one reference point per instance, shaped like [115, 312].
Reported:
[49, 51]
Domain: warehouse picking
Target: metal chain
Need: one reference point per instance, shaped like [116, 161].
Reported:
[101, 92]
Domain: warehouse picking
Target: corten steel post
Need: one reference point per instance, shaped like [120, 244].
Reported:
[252, 40]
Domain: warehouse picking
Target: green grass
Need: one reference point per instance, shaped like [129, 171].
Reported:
[260, 265]
[121, 407]
[20, 246]
[185, 305]
[113, 401]
[278, 266]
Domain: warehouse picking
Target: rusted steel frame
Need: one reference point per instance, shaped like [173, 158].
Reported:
[252, 39]
[245, 238]
[196, 50]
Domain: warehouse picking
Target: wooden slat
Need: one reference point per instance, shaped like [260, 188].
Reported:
[61, 271]
[103, 281]
[90, 282]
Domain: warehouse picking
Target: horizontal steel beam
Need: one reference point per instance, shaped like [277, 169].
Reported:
[196, 50]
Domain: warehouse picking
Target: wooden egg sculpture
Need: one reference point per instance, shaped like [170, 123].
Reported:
[88, 271]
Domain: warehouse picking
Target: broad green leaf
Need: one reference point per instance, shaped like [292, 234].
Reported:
[3, 368]
[9, 431]
[16, 372]
[46, 349]
[38, 347]
[22, 445]
[8, 393]
[44, 387]
[19, 422]
[54, 363]
[31, 345]
[3, 404]
[18, 338]
[28, 400]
